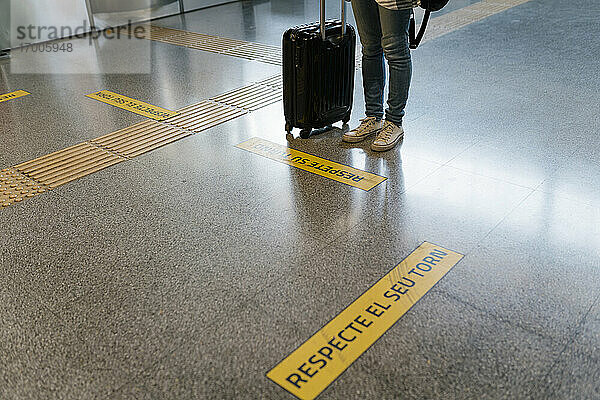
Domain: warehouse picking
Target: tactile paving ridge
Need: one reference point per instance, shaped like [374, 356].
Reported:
[139, 138]
[255, 96]
[156, 32]
[66, 165]
[275, 82]
[256, 51]
[204, 115]
[16, 187]
[216, 44]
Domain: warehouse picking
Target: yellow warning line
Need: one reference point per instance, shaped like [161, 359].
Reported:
[133, 105]
[311, 163]
[13, 95]
[321, 359]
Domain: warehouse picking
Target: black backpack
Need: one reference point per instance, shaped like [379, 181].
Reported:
[429, 6]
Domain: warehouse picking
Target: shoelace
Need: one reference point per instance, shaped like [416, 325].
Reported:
[366, 123]
[386, 133]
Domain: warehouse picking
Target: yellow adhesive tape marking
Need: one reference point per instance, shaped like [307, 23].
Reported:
[321, 359]
[317, 165]
[13, 95]
[129, 104]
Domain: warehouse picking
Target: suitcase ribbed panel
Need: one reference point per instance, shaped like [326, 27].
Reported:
[333, 84]
[318, 75]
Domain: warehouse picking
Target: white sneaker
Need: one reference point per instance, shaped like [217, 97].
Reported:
[387, 137]
[368, 126]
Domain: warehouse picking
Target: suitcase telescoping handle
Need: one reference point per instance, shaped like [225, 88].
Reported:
[323, 36]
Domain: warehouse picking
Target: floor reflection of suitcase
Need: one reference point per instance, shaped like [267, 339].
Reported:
[318, 73]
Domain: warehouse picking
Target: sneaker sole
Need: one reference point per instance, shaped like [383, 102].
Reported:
[390, 146]
[356, 139]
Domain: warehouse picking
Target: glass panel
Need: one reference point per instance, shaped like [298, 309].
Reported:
[33, 21]
[118, 12]
[194, 4]
[4, 24]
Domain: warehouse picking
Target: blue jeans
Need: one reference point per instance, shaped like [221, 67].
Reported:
[384, 32]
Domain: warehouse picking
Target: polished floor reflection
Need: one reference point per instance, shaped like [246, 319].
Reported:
[191, 270]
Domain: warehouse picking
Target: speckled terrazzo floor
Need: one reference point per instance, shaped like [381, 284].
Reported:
[189, 272]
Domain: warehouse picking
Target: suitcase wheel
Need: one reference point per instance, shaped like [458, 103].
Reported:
[305, 133]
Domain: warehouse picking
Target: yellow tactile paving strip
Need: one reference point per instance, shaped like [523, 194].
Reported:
[66, 165]
[36, 176]
[254, 96]
[205, 115]
[139, 139]
[216, 44]
[58, 168]
[16, 187]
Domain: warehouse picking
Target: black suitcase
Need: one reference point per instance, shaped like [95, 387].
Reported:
[318, 73]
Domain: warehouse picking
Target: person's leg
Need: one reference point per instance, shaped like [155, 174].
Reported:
[366, 14]
[394, 27]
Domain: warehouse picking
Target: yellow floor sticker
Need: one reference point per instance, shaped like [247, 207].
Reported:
[13, 95]
[317, 165]
[129, 104]
[321, 359]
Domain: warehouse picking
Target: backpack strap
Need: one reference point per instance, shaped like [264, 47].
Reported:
[415, 40]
